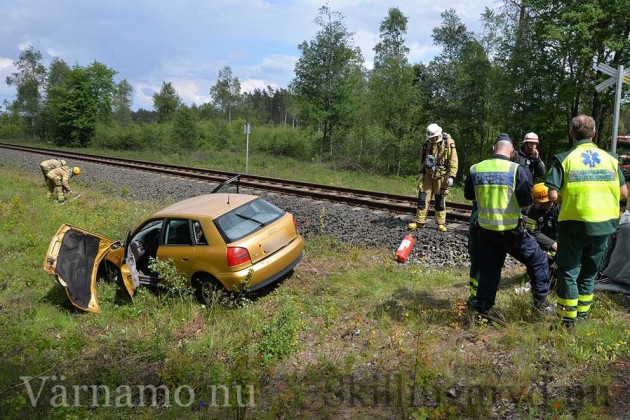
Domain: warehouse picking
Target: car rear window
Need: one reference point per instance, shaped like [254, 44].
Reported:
[247, 219]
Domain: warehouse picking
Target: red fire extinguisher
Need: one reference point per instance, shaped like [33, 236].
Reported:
[405, 248]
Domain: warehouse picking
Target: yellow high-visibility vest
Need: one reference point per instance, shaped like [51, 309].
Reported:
[495, 181]
[590, 185]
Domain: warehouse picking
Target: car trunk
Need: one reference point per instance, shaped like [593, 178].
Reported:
[276, 236]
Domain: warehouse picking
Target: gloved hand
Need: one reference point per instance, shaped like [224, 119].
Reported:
[449, 182]
[530, 224]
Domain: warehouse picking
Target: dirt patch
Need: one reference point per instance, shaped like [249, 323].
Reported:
[620, 404]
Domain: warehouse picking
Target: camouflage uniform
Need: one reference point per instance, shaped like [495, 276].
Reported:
[57, 183]
[434, 177]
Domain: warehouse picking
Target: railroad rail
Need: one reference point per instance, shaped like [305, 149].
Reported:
[372, 199]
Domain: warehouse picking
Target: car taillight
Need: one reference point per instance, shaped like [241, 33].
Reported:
[295, 224]
[236, 256]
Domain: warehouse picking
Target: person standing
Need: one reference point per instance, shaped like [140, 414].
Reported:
[438, 169]
[57, 182]
[589, 184]
[529, 157]
[501, 189]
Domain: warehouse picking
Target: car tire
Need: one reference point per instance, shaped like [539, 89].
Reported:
[208, 290]
[110, 273]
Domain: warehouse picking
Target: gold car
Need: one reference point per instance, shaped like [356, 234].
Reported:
[216, 241]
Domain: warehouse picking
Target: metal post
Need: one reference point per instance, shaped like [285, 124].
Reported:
[613, 144]
[247, 131]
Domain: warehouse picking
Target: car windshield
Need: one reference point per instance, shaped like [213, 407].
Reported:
[246, 219]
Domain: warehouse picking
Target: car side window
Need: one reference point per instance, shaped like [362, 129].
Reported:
[178, 232]
[200, 238]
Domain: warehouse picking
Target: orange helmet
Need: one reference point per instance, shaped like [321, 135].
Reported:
[540, 192]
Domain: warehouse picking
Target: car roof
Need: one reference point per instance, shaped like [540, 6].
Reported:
[208, 205]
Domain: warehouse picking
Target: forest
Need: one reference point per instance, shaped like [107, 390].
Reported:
[532, 67]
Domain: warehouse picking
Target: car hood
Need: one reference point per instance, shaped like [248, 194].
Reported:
[73, 258]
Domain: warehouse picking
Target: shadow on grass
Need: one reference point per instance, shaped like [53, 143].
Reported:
[405, 301]
[57, 296]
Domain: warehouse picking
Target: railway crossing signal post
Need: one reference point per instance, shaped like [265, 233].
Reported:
[618, 76]
[247, 130]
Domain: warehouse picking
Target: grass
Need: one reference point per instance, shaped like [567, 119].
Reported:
[351, 334]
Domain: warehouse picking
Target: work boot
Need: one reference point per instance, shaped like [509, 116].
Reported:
[442, 228]
[440, 218]
[421, 216]
[544, 307]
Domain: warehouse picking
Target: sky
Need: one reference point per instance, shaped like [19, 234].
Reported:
[187, 42]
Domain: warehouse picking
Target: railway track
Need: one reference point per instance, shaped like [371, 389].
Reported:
[372, 199]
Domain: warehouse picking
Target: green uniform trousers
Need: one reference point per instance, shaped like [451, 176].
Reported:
[579, 257]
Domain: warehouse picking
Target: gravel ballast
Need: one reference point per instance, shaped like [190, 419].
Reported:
[357, 226]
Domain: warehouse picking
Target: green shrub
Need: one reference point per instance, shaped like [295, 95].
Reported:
[279, 337]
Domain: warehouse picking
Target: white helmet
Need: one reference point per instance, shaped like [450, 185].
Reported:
[530, 137]
[434, 130]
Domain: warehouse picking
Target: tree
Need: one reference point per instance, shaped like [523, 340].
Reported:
[185, 130]
[166, 102]
[28, 80]
[459, 81]
[122, 102]
[327, 76]
[83, 99]
[226, 92]
[58, 72]
[102, 89]
[391, 89]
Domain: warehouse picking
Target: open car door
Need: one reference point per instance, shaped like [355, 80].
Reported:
[73, 257]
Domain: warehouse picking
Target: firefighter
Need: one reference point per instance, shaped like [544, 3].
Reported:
[501, 189]
[438, 168]
[588, 184]
[57, 182]
[49, 164]
[542, 224]
[529, 157]
[542, 219]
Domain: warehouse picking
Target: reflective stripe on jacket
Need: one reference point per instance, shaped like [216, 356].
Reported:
[495, 181]
[590, 185]
[49, 164]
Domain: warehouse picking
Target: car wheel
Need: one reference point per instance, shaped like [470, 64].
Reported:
[110, 273]
[209, 291]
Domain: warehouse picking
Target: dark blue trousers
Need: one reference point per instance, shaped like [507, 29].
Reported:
[493, 248]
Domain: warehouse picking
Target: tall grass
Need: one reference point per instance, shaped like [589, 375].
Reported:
[351, 333]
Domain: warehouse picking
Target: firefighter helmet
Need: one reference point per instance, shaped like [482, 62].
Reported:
[530, 137]
[434, 130]
[76, 170]
[540, 192]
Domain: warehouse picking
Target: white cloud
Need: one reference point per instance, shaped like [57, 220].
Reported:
[143, 94]
[192, 91]
[187, 42]
[6, 64]
[251, 84]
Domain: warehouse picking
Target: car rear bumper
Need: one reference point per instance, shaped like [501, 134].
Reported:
[265, 271]
[276, 277]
